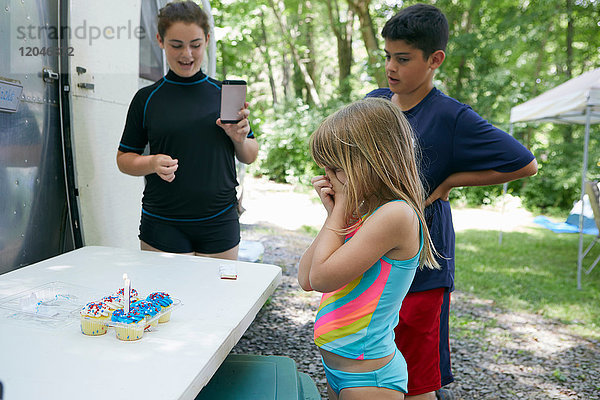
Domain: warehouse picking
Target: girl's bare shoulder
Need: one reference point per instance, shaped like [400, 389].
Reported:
[395, 215]
[399, 220]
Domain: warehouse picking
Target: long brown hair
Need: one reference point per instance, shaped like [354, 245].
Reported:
[373, 143]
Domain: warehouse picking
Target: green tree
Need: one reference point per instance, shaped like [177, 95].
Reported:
[500, 54]
[341, 25]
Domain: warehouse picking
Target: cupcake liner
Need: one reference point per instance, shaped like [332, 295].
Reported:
[132, 332]
[93, 328]
[151, 322]
[166, 316]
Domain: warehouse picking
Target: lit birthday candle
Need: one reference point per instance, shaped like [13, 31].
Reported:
[126, 293]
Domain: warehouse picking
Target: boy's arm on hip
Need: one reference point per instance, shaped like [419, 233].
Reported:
[479, 178]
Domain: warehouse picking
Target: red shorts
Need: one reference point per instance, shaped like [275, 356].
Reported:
[422, 338]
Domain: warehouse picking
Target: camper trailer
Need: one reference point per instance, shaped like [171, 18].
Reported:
[68, 70]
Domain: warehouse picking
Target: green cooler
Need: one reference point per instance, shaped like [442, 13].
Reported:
[254, 377]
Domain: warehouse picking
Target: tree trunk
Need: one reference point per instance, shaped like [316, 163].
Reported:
[569, 64]
[343, 34]
[264, 49]
[302, 27]
[309, 55]
[466, 27]
[367, 30]
[224, 63]
[285, 31]
[527, 134]
[570, 34]
[286, 80]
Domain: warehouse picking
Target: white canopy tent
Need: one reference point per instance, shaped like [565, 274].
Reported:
[576, 101]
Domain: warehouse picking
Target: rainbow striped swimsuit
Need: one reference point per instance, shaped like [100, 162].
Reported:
[357, 321]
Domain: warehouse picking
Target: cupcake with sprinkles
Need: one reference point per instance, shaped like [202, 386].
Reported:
[133, 295]
[94, 318]
[113, 302]
[149, 309]
[129, 326]
[165, 302]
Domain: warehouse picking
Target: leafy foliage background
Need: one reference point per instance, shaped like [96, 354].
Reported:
[500, 53]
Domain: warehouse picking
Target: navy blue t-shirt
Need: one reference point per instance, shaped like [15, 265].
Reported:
[453, 138]
[177, 116]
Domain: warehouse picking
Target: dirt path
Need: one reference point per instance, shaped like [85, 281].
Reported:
[497, 355]
[280, 205]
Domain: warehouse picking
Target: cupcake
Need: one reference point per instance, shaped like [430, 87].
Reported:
[133, 296]
[113, 303]
[129, 326]
[94, 318]
[165, 302]
[149, 309]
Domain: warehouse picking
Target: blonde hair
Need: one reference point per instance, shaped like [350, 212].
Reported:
[373, 143]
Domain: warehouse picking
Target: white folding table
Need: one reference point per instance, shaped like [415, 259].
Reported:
[175, 361]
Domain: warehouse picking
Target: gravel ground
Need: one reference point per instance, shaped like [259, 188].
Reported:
[497, 354]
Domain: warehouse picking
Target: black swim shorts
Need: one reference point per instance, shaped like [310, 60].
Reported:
[214, 235]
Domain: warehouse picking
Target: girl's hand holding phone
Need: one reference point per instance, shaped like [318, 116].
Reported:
[234, 110]
[238, 131]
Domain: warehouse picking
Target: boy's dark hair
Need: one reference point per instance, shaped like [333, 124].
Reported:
[182, 11]
[421, 25]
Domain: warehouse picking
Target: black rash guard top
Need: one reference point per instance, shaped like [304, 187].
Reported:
[177, 116]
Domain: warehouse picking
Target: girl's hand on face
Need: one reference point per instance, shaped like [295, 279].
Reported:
[339, 188]
[165, 166]
[238, 132]
[325, 191]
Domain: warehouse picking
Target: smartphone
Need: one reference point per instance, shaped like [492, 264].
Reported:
[233, 97]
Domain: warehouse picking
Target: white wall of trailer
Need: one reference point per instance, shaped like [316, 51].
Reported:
[109, 200]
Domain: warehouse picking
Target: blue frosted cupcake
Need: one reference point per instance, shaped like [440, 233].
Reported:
[165, 302]
[149, 309]
[130, 326]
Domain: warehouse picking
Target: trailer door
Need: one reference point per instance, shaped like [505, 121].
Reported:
[34, 213]
[104, 69]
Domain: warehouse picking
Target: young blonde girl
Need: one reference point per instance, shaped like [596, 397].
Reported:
[364, 258]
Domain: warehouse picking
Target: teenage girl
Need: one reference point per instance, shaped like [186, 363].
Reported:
[364, 258]
[189, 202]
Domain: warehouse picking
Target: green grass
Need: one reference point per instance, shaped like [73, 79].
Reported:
[533, 271]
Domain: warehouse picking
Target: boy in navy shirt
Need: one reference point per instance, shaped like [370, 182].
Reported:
[459, 148]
